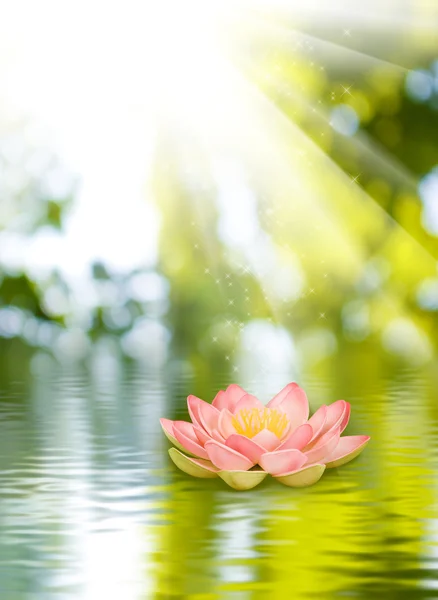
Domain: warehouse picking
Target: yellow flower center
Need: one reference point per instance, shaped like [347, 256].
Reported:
[249, 421]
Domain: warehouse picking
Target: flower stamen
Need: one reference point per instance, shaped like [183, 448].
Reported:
[250, 421]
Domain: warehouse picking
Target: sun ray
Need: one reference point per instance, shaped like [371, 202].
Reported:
[374, 14]
[375, 158]
[337, 170]
[283, 172]
[328, 51]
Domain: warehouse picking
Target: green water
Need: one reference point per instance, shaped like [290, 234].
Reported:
[92, 508]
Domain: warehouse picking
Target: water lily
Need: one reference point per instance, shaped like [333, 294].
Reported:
[241, 440]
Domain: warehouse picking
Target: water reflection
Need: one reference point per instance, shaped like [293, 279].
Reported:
[92, 508]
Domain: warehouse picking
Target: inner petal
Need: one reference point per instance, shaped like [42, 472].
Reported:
[250, 421]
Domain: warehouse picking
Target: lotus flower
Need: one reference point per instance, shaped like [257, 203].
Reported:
[236, 432]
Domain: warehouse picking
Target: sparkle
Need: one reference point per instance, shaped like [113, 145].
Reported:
[230, 302]
[347, 32]
[227, 275]
[355, 179]
[214, 340]
[218, 280]
[206, 271]
[322, 315]
[346, 90]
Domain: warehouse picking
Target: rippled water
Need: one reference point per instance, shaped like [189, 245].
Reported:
[91, 507]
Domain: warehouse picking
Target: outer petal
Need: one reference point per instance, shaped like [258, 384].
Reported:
[248, 402]
[217, 436]
[267, 439]
[188, 440]
[278, 398]
[225, 423]
[220, 401]
[294, 404]
[282, 461]
[298, 439]
[196, 467]
[242, 480]
[201, 434]
[193, 408]
[325, 446]
[348, 448]
[233, 394]
[317, 421]
[227, 459]
[245, 446]
[188, 429]
[346, 416]
[202, 413]
[303, 477]
[338, 414]
[167, 426]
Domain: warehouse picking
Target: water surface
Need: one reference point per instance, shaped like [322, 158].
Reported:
[92, 508]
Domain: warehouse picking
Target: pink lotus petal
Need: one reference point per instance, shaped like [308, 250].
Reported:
[234, 393]
[287, 432]
[298, 439]
[209, 416]
[278, 398]
[317, 421]
[303, 477]
[229, 397]
[337, 412]
[201, 434]
[248, 402]
[245, 446]
[282, 461]
[217, 436]
[225, 458]
[187, 442]
[348, 448]
[167, 426]
[346, 416]
[324, 446]
[202, 413]
[266, 439]
[294, 404]
[225, 423]
[220, 400]
[188, 429]
[196, 467]
[193, 408]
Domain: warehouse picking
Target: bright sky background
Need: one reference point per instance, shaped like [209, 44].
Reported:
[92, 75]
